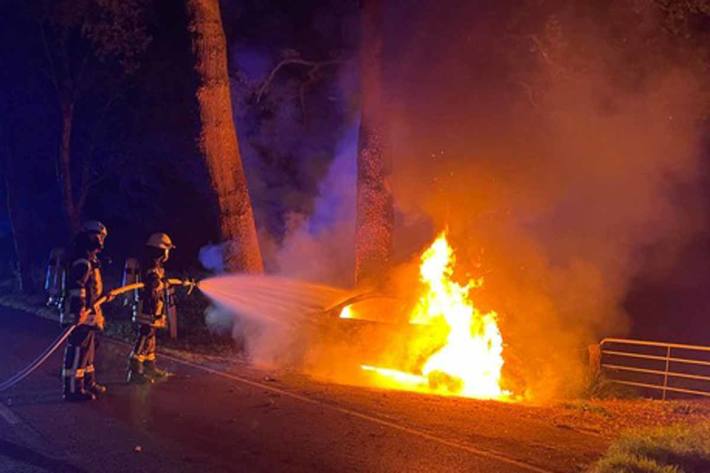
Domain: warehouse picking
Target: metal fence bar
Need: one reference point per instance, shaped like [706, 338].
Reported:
[665, 377]
[655, 357]
[667, 359]
[653, 386]
[658, 372]
[627, 341]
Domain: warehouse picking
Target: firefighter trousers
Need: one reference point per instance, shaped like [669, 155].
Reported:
[144, 351]
[79, 371]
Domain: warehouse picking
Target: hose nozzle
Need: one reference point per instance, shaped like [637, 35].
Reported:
[191, 284]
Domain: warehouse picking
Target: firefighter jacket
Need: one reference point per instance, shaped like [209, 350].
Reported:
[156, 295]
[84, 287]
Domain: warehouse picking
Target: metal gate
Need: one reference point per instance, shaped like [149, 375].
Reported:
[665, 367]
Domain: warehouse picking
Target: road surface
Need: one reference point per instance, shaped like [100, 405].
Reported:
[234, 417]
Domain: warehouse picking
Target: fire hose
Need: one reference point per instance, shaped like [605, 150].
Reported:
[25, 372]
[29, 369]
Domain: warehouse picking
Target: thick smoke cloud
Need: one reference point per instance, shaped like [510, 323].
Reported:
[317, 247]
[557, 149]
[212, 258]
[320, 246]
[558, 142]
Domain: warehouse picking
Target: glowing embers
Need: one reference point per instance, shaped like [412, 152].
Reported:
[470, 361]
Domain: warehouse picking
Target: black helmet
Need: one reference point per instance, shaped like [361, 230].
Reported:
[92, 234]
[94, 226]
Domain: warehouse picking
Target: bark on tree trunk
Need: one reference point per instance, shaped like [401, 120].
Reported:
[218, 138]
[73, 217]
[375, 208]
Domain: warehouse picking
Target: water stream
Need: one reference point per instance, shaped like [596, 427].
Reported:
[272, 299]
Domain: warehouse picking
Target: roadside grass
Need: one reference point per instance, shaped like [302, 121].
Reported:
[674, 449]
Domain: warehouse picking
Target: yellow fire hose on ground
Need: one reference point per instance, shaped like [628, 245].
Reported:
[29, 369]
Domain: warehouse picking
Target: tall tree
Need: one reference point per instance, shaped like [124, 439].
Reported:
[218, 138]
[21, 224]
[88, 45]
[375, 208]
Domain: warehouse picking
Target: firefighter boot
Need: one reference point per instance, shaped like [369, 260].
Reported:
[154, 372]
[74, 390]
[136, 373]
[91, 384]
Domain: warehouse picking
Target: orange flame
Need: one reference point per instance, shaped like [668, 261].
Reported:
[347, 313]
[469, 363]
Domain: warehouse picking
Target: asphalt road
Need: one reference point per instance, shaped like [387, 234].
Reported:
[237, 418]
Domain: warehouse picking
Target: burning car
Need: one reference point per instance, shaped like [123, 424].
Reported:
[442, 343]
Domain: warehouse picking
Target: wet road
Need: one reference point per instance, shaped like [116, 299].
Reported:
[236, 418]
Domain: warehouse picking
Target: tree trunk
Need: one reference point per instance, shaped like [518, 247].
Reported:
[72, 214]
[375, 208]
[218, 138]
[20, 220]
[21, 235]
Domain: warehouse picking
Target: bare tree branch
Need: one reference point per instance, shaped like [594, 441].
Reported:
[91, 182]
[78, 80]
[52, 69]
[87, 183]
[314, 66]
[541, 49]
[529, 92]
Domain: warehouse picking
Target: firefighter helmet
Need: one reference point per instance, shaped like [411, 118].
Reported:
[160, 240]
[94, 226]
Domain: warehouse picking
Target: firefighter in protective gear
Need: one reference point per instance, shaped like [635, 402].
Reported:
[150, 314]
[84, 286]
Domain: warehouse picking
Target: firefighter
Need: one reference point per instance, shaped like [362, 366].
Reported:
[84, 286]
[150, 314]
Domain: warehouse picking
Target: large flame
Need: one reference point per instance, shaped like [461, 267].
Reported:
[470, 361]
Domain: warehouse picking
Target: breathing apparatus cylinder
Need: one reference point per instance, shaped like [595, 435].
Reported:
[131, 272]
[131, 275]
[171, 310]
[55, 278]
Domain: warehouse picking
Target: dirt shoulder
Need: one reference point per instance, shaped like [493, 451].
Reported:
[564, 436]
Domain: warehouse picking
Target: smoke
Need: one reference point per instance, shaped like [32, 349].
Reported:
[559, 148]
[316, 248]
[300, 161]
[272, 317]
[559, 143]
[320, 247]
[212, 257]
